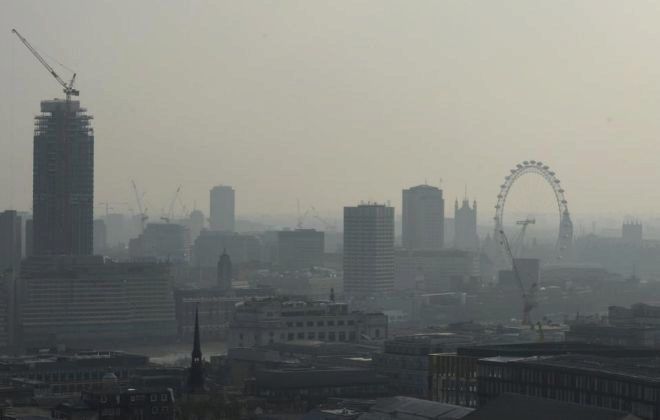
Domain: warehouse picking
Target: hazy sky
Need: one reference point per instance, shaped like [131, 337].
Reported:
[333, 102]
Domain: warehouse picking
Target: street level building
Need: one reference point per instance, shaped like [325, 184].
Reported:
[63, 179]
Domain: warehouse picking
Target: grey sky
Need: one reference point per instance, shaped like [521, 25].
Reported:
[334, 102]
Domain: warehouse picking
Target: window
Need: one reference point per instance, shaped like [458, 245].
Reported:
[163, 397]
[331, 323]
[342, 336]
[319, 323]
[289, 336]
[301, 336]
[164, 409]
[289, 324]
[340, 322]
[299, 324]
[351, 322]
[154, 397]
[331, 336]
[310, 323]
[311, 336]
[154, 409]
[321, 335]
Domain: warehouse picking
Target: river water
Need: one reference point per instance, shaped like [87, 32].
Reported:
[170, 354]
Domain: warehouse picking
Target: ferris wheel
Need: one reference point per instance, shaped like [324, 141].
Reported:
[565, 231]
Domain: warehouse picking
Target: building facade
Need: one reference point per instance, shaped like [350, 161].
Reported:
[465, 226]
[222, 215]
[269, 321]
[423, 218]
[368, 249]
[300, 249]
[626, 384]
[82, 300]
[63, 179]
[10, 241]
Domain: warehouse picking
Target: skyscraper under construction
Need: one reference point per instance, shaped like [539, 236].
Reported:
[63, 179]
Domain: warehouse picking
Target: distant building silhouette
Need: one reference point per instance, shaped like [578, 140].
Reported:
[224, 272]
[423, 218]
[632, 233]
[10, 241]
[222, 217]
[465, 226]
[100, 236]
[368, 249]
[63, 179]
[300, 248]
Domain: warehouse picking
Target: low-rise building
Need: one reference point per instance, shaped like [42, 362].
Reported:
[453, 377]
[267, 321]
[215, 308]
[626, 384]
[405, 360]
[72, 371]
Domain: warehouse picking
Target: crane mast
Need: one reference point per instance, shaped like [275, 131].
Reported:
[528, 296]
[68, 87]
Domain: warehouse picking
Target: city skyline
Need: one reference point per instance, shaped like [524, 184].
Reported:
[444, 104]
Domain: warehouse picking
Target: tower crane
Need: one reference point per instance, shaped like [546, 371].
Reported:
[528, 295]
[68, 87]
[143, 212]
[170, 209]
[520, 240]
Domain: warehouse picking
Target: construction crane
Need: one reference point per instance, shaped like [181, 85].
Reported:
[138, 200]
[170, 210]
[520, 240]
[528, 295]
[301, 217]
[68, 87]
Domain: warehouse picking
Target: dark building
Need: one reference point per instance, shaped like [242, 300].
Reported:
[368, 249]
[71, 371]
[63, 179]
[453, 377]
[465, 226]
[300, 249]
[10, 241]
[224, 272]
[627, 384]
[302, 388]
[162, 242]
[523, 407]
[113, 402]
[423, 218]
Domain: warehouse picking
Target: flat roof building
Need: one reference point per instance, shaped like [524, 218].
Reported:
[368, 249]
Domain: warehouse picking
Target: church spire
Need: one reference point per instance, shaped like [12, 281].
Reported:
[196, 373]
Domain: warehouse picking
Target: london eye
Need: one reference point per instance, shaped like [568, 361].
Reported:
[565, 231]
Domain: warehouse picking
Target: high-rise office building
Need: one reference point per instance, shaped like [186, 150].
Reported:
[100, 236]
[10, 241]
[368, 249]
[222, 217]
[423, 218]
[465, 226]
[63, 180]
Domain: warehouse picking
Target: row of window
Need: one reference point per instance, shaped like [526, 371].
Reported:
[330, 323]
[321, 335]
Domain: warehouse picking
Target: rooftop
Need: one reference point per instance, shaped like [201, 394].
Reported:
[521, 407]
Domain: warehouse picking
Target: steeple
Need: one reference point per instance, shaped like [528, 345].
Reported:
[196, 373]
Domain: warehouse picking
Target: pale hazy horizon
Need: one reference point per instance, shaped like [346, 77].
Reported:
[333, 103]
